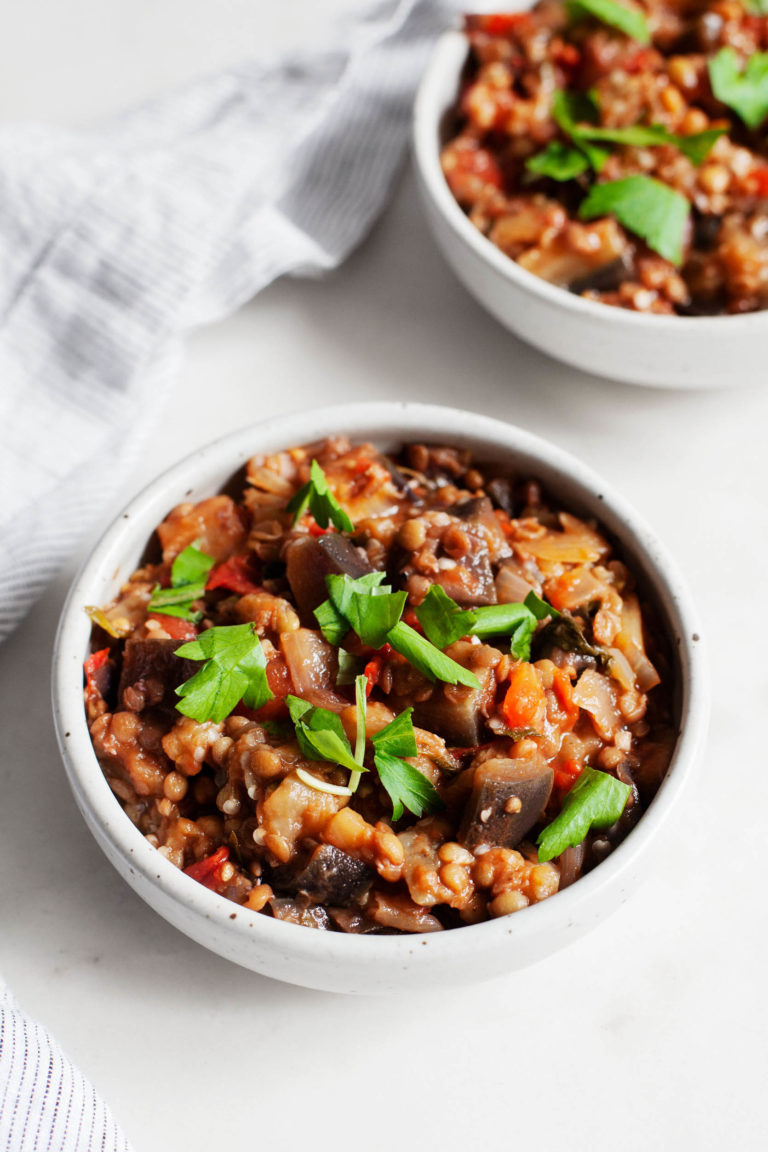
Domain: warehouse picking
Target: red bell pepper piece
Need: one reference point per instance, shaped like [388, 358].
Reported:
[237, 574]
[176, 628]
[208, 871]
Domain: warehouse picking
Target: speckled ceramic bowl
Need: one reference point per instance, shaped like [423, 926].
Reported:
[329, 960]
[634, 347]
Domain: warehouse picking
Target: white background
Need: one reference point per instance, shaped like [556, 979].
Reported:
[649, 1033]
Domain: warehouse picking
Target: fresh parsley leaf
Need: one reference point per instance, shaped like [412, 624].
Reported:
[442, 619]
[596, 800]
[316, 497]
[558, 161]
[333, 625]
[539, 607]
[406, 786]
[444, 622]
[630, 21]
[696, 146]
[573, 110]
[191, 566]
[189, 573]
[513, 620]
[368, 606]
[757, 7]
[398, 737]
[429, 660]
[646, 207]
[235, 669]
[349, 666]
[744, 90]
[374, 615]
[320, 734]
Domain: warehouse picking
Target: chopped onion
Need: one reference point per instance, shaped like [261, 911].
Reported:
[321, 785]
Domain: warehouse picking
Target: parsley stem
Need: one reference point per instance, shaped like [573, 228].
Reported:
[361, 702]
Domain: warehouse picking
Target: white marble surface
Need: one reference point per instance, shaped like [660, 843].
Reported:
[649, 1033]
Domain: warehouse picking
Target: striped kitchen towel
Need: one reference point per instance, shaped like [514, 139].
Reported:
[119, 239]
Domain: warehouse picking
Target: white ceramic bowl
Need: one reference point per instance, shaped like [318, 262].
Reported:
[661, 351]
[333, 961]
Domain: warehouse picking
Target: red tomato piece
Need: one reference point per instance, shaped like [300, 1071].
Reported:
[208, 871]
[237, 574]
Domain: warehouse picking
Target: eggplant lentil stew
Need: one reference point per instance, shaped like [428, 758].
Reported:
[620, 150]
[381, 694]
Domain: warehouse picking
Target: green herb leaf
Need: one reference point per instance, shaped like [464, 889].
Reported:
[316, 497]
[191, 566]
[320, 734]
[429, 660]
[442, 619]
[361, 712]
[596, 800]
[349, 667]
[373, 615]
[744, 90]
[696, 146]
[369, 607]
[539, 607]
[757, 7]
[406, 786]
[513, 620]
[235, 669]
[558, 161]
[630, 21]
[646, 207]
[333, 625]
[189, 573]
[398, 737]
[572, 111]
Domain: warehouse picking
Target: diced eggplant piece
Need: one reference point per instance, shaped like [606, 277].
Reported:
[354, 922]
[507, 798]
[500, 491]
[300, 912]
[607, 278]
[454, 711]
[153, 671]
[329, 876]
[309, 560]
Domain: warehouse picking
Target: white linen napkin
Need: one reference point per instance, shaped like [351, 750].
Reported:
[115, 242]
[118, 240]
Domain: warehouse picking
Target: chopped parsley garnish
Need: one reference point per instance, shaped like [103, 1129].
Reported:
[321, 736]
[315, 497]
[372, 610]
[539, 607]
[405, 785]
[559, 162]
[630, 21]
[596, 800]
[645, 206]
[442, 619]
[189, 573]
[745, 90]
[235, 669]
[429, 660]
[578, 115]
[444, 622]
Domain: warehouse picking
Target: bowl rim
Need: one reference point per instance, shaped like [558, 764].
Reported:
[447, 60]
[210, 467]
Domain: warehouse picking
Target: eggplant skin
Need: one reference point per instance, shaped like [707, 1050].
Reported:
[307, 563]
[507, 799]
[329, 876]
[155, 660]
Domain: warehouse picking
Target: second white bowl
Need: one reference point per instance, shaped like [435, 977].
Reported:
[637, 348]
